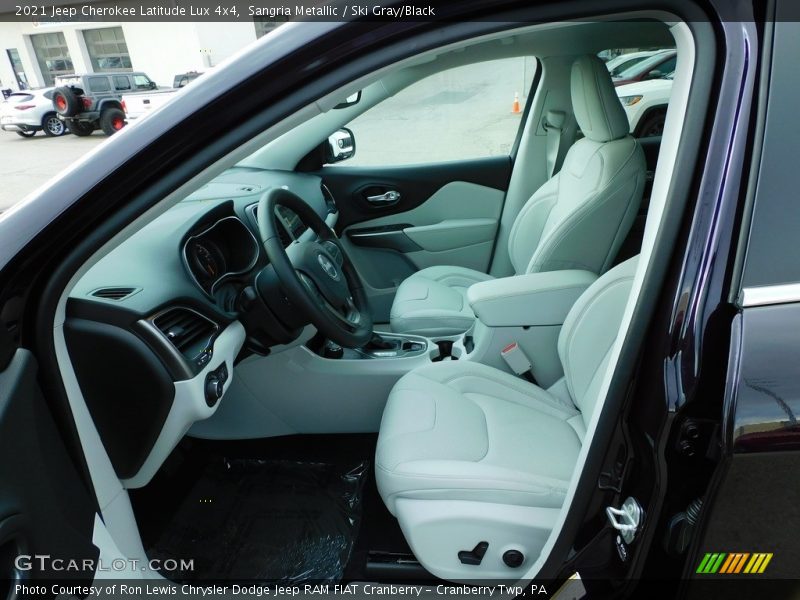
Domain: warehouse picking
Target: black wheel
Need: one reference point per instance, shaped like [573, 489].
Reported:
[66, 102]
[653, 125]
[80, 128]
[26, 134]
[53, 126]
[112, 120]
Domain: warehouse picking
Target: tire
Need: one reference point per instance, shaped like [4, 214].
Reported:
[53, 126]
[112, 120]
[66, 102]
[80, 128]
[652, 126]
[26, 134]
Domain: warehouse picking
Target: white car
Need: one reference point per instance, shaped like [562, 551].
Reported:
[645, 103]
[619, 63]
[30, 111]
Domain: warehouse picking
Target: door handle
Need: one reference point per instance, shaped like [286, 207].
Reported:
[385, 199]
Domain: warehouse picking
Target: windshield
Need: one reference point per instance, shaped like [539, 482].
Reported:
[641, 67]
[626, 64]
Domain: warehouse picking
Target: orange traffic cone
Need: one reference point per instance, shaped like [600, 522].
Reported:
[515, 107]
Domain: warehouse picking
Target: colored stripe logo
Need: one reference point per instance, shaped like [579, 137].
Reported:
[734, 563]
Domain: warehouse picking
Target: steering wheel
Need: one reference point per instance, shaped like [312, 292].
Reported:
[316, 275]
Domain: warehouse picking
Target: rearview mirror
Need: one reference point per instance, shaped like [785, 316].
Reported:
[341, 146]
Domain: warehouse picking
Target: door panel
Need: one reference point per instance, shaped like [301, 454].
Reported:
[416, 184]
[395, 221]
[755, 506]
[45, 506]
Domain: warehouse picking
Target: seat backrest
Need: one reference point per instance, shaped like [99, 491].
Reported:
[579, 218]
[589, 331]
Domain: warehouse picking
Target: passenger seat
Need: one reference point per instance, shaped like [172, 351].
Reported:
[576, 220]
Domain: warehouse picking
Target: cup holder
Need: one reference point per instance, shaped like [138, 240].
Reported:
[445, 350]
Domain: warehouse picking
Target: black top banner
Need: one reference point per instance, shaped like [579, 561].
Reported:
[77, 11]
[67, 11]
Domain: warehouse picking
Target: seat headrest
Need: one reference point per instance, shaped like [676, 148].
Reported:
[597, 108]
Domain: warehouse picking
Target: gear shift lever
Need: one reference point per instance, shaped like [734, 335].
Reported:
[379, 343]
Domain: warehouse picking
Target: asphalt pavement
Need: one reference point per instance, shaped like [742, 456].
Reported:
[27, 163]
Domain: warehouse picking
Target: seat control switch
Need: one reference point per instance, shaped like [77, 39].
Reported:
[474, 556]
[513, 558]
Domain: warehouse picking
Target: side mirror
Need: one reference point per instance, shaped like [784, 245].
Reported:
[153, 85]
[341, 146]
[655, 74]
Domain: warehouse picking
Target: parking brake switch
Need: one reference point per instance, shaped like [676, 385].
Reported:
[517, 361]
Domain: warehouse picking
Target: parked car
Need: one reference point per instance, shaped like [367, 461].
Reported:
[183, 79]
[624, 61]
[137, 106]
[646, 103]
[141, 104]
[189, 369]
[30, 111]
[93, 101]
[653, 67]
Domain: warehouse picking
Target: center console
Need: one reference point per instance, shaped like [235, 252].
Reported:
[381, 346]
[527, 310]
[314, 386]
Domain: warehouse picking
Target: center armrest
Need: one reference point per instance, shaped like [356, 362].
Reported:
[534, 299]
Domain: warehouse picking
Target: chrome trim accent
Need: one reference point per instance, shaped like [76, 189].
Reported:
[227, 274]
[770, 294]
[330, 201]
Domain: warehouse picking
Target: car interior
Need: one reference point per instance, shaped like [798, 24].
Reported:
[303, 367]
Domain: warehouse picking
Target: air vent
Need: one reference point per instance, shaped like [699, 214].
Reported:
[329, 200]
[115, 293]
[282, 232]
[190, 332]
[286, 239]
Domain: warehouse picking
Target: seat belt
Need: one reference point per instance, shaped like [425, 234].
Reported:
[558, 142]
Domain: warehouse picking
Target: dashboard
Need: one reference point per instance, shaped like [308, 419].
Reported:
[152, 328]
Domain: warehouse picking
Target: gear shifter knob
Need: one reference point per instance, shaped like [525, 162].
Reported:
[332, 350]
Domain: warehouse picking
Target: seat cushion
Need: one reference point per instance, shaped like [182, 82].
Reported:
[466, 431]
[433, 301]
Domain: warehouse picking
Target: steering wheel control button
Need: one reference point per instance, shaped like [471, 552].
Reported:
[513, 558]
[474, 556]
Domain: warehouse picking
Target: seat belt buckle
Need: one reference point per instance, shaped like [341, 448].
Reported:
[516, 360]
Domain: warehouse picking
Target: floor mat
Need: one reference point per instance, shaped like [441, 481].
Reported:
[268, 521]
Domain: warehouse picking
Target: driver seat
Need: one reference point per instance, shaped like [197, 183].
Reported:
[576, 220]
[468, 454]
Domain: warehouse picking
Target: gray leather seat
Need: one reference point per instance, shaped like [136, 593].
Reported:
[577, 220]
[460, 439]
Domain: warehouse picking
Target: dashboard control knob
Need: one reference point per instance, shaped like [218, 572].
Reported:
[214, 389]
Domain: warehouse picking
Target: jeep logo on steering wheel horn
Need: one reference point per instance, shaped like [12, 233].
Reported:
[328, 266]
